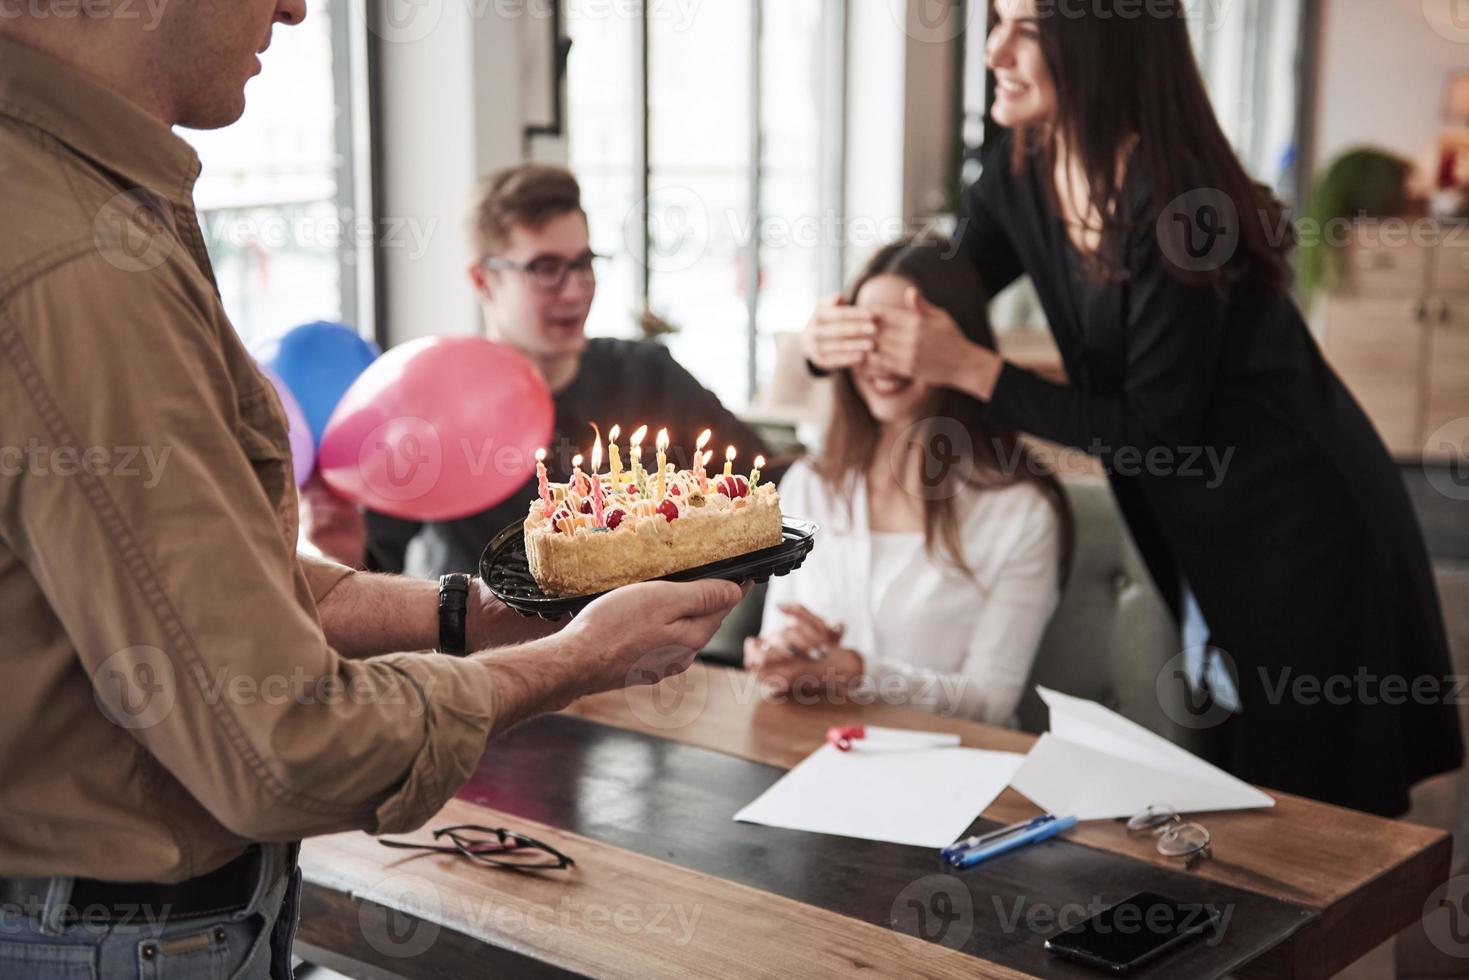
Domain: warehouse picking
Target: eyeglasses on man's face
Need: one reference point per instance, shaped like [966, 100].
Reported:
[549, 273]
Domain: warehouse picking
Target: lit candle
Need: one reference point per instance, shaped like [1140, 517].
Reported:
[575, 485]
[662, 462]
[541, 476]
[635, 454]
[755, 473]
[615, 456]
[699, 458]
[597, 517]
[729, 455]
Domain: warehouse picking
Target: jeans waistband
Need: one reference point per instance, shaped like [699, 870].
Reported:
[240, 888]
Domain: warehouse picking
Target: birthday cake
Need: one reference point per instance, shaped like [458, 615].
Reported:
[599, 531]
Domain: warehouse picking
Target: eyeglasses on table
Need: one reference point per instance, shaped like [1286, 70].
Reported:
[493, 847]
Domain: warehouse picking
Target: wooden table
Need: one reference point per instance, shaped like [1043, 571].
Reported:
[638, 786]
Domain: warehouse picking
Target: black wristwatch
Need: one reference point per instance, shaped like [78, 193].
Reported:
[453, 608]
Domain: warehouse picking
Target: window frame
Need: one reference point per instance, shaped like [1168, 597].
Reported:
[832, 165]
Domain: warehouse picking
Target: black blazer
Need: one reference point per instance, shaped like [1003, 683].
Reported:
[1243, 466]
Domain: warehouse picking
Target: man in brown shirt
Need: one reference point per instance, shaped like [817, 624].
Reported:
[185, 695]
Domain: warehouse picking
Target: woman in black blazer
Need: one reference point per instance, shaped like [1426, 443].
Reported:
[1247, 474]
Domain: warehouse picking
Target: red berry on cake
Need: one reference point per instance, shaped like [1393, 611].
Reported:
[733, 487]
[674, 491]
[614, 518]
[669, 509]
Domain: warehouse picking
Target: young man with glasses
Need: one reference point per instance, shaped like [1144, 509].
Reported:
[534, 273]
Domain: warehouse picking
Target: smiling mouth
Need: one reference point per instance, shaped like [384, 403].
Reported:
[1011, 88]
[564, 324]
[888, 384]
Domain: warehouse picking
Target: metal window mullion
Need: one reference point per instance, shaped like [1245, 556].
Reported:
[341, 44]
[371, 189]
[642, 162]
[752, 248]
[833, 168]
[1254, 54]
[352, 92]
[1305, 105]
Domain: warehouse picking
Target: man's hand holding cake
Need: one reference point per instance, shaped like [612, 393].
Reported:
[600, 531]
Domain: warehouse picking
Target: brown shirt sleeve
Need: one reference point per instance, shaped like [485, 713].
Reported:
[322, 575]
[177, 574]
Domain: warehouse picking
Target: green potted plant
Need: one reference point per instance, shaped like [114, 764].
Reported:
[1361, 183]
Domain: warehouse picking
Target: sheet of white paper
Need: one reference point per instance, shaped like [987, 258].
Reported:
[1097, 765]
[903, 787]
[875, 737]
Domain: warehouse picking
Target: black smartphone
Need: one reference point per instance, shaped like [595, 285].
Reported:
[1136, 930]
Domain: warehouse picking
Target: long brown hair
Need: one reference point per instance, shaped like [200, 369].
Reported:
[1128, 78]
[993, 458]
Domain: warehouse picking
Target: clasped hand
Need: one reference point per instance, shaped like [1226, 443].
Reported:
[802, 653]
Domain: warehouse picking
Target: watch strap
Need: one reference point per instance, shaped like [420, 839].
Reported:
[453, 612]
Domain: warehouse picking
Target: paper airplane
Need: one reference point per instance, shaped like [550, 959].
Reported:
[1096, 764]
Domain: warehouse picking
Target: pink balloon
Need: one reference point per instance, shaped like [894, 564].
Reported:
[303, 447]
[438, 429]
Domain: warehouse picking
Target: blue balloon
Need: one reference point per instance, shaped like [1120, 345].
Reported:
[318, 362]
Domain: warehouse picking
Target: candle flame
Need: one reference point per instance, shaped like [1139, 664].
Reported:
[576, 460]
[729, 454]
[637, 437]
[759, 462]
[703, 440]
[540, 455]
[662, 440]
[597, 453]
[613, 433]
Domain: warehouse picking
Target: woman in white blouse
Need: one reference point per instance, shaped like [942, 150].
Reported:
[942, 543]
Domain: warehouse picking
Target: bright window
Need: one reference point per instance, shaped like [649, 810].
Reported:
[700, 140]
[278, 197]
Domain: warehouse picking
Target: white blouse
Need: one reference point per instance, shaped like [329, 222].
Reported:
[930, 636]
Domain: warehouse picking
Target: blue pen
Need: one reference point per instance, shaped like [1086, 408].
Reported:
[969, 843]
[984, 852]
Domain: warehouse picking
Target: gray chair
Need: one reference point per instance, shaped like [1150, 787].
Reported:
[727, 645]
[1112, 633]
[1109, 638]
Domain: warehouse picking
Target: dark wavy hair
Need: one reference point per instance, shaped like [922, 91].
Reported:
[1129, 79]
[996, 456]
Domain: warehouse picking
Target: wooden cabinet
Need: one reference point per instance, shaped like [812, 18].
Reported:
[1397, 332]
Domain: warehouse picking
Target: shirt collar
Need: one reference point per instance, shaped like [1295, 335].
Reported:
[96, 122]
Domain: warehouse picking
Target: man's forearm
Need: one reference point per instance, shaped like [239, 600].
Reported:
[530, 679]
[368, 615]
